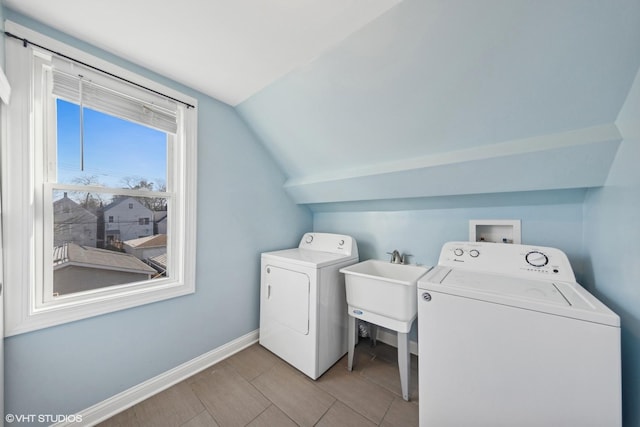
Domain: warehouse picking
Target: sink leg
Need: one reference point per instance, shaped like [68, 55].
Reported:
[373, 333]
[404, 363]
[352, 341]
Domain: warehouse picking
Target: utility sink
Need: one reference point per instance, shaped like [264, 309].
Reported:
[383, 293]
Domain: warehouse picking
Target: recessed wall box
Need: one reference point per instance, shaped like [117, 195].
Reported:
[495, 230]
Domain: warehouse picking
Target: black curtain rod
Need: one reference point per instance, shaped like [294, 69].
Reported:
[26, 42]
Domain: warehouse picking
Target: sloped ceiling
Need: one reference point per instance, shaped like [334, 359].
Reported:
[361, 99]
[431, 79]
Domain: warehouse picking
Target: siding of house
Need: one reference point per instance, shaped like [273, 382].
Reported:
[73, 223]
[160, 221]
[122, 220]
[74, 278]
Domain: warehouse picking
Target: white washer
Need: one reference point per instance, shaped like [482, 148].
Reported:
[507, 337]
[303, 309]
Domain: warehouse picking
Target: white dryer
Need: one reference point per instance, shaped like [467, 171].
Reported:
[507, 337]
[303, 309]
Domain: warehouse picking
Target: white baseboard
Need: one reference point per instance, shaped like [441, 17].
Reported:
[122, 401]
[391, 339]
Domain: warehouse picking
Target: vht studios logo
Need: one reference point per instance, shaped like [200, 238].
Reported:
[43, 418]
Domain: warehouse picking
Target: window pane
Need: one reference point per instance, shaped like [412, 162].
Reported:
[99, 241]
[114, 152]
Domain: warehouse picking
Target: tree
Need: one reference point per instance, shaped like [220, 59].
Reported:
[88, 200]
[154, 203]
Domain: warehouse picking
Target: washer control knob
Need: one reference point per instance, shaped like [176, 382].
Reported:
[474, 253]
[309, 238]
[536, 259]
[426, 296]
[458, 252]
[341, 242]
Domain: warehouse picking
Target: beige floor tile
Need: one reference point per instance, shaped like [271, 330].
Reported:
[205, 372]
[229, 398]
[253, 361]
[273, 416]
[123, 419]
[365, 354]
[387, 375]
[340, 415]
[365, 397]
[172, 407]
[379, 351]
[401, 414]
[294, 394]
[204, 419]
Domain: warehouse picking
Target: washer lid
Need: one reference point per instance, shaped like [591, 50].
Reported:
[534, 290]
[308, 258]
[567, 299]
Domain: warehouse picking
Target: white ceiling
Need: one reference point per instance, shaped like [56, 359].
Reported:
[228, 49]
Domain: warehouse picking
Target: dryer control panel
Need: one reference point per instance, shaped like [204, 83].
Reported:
[518, 260]
[328, 242]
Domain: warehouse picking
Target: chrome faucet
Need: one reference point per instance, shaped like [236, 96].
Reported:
[396, 258]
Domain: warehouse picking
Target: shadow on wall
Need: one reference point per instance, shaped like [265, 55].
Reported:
[630, 351]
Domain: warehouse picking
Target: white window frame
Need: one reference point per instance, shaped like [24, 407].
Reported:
[25, 192]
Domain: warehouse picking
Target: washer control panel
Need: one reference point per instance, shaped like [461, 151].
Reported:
[521, 260]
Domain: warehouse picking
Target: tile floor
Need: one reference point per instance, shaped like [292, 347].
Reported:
[255, 388]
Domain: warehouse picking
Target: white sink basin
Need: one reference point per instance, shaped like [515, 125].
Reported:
[383, 293]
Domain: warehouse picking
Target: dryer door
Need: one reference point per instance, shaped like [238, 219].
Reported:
[287, 298]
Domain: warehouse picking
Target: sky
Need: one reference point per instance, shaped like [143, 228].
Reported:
[114, 149]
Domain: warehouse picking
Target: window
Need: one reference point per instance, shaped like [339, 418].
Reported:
[102, 157]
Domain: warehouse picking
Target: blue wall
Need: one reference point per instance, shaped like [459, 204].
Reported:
[598, 230]
[422, 231]
[71, 367]
[612, 238]
[242, 211]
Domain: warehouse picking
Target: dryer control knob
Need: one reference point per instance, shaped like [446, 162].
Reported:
[309, 238]
[458, 252]
[474, 253]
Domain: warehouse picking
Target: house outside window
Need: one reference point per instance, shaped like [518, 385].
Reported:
[76, 263]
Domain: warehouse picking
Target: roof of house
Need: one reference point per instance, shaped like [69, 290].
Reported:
[66, 201]
[159, 216]
[118, 200]
[73, 254]
[160, 262]
[148, 242]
